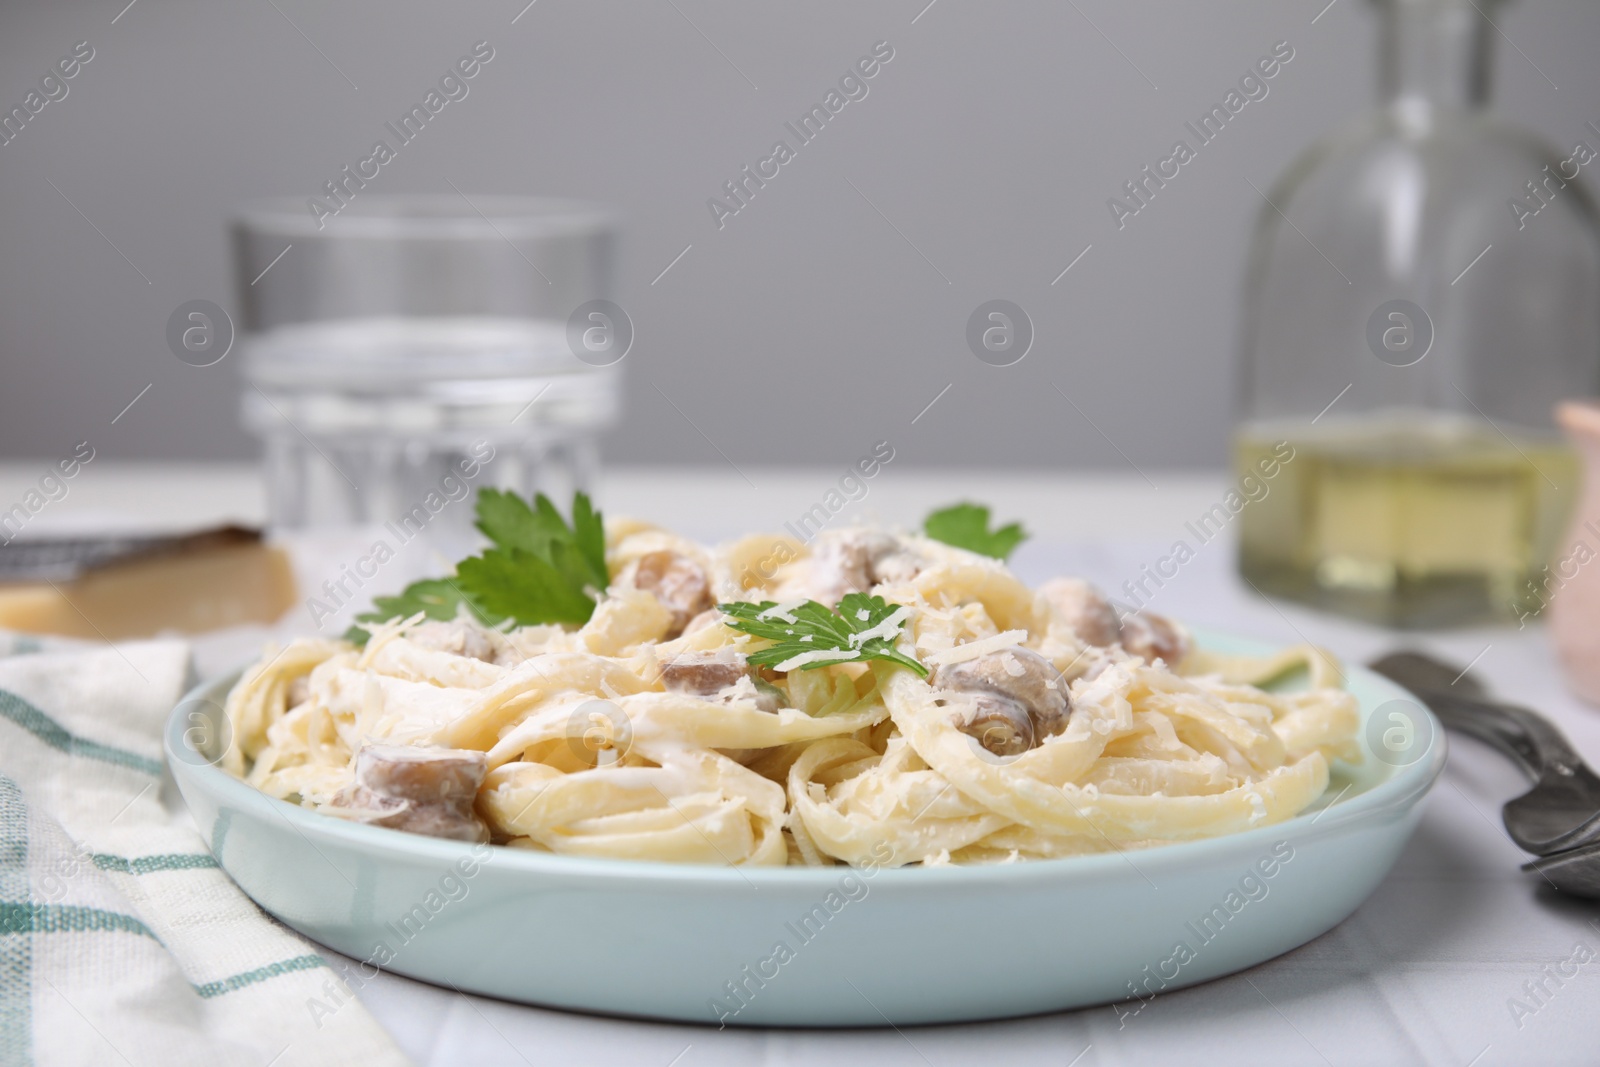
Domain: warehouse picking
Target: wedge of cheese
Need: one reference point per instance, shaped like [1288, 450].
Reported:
[189, 585]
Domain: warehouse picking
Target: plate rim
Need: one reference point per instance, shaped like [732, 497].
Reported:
[1395, 796]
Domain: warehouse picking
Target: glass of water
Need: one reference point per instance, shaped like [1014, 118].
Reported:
[407, 349]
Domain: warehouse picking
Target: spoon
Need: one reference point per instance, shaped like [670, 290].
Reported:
[1562, 811]
[1560, 817]
[1575, 871]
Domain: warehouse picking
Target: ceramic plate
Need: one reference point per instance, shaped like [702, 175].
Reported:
[808, 947]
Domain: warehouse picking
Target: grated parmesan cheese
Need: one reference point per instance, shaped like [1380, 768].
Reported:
[888, 629]
[784, 611]
[982, 647]
[821, 655]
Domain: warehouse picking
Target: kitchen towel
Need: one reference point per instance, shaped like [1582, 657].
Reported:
[121, 940]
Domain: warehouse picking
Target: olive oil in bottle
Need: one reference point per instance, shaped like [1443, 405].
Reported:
[1409, 336]
[1408, 520]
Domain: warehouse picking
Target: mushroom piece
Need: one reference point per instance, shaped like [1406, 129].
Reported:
[1152, 637]
[1019, 674]
[678, 582]
[856, 560]
[420, 790]
[459, 636]
[1080, 605]
[714, 674]
[1096, 663]
[898, 567]
[998, 723]
[703, 673]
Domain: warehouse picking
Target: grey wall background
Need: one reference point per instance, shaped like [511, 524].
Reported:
[808, 326]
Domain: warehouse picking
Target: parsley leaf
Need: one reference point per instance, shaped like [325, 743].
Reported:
[437, 598]
[518, 585]
[813, 628]
[508, 521]
[967, 526]
[540, 570]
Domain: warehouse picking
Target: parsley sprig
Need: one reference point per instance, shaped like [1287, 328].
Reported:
[967, 526]
[812, 635]
[538, 570]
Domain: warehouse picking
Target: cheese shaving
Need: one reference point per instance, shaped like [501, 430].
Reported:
[981, 647]
[821, 655]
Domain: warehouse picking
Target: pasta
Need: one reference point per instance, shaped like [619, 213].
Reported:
[1047, 727]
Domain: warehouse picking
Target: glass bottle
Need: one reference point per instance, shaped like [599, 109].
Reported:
[1423, 287]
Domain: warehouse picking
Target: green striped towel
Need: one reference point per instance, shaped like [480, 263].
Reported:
[121, 941]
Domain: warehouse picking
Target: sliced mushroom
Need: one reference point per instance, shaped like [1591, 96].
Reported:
[1095, 663]
[703, 673]
[720, 675]
[842, 564]
[1081, 607]
[421, 790]
[1022, 675]
[856, 560]
[459, 636]
[998, 723]
[899, 567]
[423, 775]
[678, 582]
[1151, 637]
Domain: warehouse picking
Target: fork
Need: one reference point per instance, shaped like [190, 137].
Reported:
[1562, 810]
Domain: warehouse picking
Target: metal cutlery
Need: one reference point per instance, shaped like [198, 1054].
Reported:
[1557, 820]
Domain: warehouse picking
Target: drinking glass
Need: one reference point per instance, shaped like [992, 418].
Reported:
[407, 349]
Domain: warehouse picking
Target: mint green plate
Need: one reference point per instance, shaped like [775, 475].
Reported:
[808, 947]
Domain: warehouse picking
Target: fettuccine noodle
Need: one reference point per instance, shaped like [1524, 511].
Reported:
[1049, 726]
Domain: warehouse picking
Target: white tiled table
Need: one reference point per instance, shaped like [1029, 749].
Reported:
[1425, 972]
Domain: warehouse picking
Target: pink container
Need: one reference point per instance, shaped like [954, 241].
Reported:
[1575, 609]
